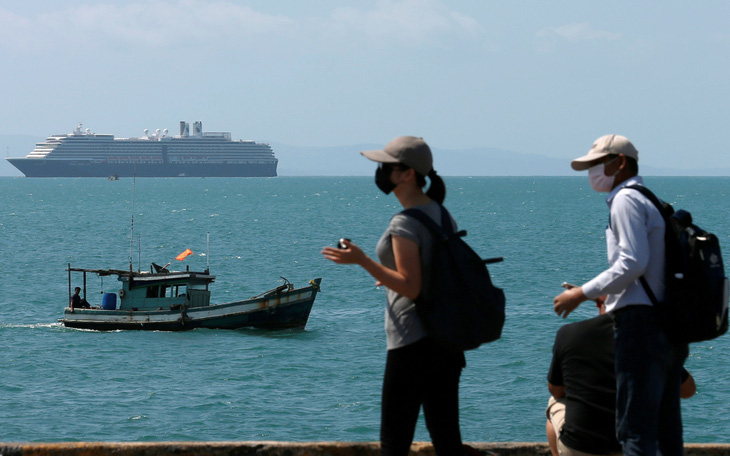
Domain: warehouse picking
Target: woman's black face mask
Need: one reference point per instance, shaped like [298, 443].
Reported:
[382, 176]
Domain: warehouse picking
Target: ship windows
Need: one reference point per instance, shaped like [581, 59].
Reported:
[157, 291]
[153, 292]
[161, 291]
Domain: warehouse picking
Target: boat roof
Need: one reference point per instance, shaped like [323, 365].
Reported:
[145, 276]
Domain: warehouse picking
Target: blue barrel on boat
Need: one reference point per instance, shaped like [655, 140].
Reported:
[109, 301]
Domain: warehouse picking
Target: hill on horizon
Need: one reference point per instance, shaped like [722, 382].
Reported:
[485, 161]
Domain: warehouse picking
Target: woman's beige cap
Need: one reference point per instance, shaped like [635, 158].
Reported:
[408, 150]
[603, 146]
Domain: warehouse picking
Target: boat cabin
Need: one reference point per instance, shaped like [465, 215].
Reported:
[162, 290]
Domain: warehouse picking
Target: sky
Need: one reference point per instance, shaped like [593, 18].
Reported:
[534, 77]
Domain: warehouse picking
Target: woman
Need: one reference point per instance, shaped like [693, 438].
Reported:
[417, 372]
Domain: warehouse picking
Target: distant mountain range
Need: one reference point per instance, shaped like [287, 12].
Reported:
[347, 161]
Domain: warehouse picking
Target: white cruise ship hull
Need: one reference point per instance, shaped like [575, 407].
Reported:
[33, 167]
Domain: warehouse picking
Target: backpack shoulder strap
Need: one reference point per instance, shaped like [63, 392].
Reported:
[440, 231]
[428, 222]
[660, 207]
[652, 197]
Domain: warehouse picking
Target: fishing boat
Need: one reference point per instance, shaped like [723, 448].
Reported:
[163, 300]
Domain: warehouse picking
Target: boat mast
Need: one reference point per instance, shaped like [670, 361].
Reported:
[131, 240]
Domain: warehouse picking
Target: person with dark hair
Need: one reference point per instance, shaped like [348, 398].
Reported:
[581, 412]
[77, 302]
[418, 372]
[648, 365]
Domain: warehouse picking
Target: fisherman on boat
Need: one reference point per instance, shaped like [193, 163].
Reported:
[77, 302]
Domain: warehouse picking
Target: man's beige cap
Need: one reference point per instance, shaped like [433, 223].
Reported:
[603, 146]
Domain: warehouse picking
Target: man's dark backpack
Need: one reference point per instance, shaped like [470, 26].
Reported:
[695, 305]
[458, 305]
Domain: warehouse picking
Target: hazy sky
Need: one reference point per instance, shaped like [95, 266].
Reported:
[545, 77]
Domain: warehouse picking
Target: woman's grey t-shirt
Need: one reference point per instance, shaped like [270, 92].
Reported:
[402, 324]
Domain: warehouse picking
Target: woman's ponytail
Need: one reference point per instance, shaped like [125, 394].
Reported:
[437, 189]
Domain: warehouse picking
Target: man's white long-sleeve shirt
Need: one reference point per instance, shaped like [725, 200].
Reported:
[635, 245]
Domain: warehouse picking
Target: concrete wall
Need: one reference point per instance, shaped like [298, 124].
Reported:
[285, 449]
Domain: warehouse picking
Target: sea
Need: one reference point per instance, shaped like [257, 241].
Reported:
[320, 383]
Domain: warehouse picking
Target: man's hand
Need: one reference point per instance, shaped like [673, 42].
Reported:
[568, 301]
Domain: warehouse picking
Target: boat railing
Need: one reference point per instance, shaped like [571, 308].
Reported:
[288, 286]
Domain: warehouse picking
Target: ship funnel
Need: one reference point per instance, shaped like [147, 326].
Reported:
[198, 128]
[184, 129]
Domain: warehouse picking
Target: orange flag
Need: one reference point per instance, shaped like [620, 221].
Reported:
[184, 254]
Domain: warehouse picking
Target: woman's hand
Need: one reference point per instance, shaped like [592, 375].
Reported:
[405, 279]
[352, 254]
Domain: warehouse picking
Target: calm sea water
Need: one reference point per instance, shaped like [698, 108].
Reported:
[321, 383]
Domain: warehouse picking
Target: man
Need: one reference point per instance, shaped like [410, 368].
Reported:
[581, 411]
[77, 302]
[647, 365]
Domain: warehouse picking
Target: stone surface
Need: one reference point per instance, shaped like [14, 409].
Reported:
[285, 449]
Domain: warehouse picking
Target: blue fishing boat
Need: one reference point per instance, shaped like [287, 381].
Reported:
[163, 300]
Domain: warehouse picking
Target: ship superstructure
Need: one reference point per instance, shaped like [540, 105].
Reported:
[200, 154]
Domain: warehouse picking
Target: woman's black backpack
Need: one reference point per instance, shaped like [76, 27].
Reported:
[458, 305]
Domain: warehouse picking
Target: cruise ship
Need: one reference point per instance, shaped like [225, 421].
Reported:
[82, 153]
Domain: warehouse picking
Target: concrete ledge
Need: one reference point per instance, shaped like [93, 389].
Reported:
[285, 449]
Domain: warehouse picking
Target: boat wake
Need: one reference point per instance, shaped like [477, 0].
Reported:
[56, 325]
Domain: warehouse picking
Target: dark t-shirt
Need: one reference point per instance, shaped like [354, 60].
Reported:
[583, 362]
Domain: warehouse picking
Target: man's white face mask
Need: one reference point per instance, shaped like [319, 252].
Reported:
[598, 179]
